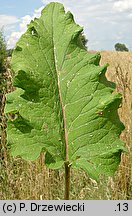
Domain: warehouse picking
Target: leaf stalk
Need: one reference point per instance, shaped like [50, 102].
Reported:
[67, 180]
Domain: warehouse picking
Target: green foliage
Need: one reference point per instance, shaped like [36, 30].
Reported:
[121, 47]
[84, 40]
[2, 67]
[2, 51]
[63, 104]
[9, 52]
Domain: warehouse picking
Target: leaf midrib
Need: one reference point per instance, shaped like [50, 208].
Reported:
[59, 91]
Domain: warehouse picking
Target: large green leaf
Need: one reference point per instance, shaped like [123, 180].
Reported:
[63, 104]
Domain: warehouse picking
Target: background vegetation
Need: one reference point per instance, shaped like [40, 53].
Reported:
[121, 47]
[20, 179]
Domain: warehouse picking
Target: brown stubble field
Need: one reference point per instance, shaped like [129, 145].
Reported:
[20, 179]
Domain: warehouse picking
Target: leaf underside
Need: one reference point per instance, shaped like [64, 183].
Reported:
[63, 103]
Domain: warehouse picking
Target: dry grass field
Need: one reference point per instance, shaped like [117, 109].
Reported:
[20, 179]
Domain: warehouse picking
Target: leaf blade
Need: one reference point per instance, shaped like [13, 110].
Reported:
[63, 99]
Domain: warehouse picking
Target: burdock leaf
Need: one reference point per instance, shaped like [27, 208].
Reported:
[63, 104]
